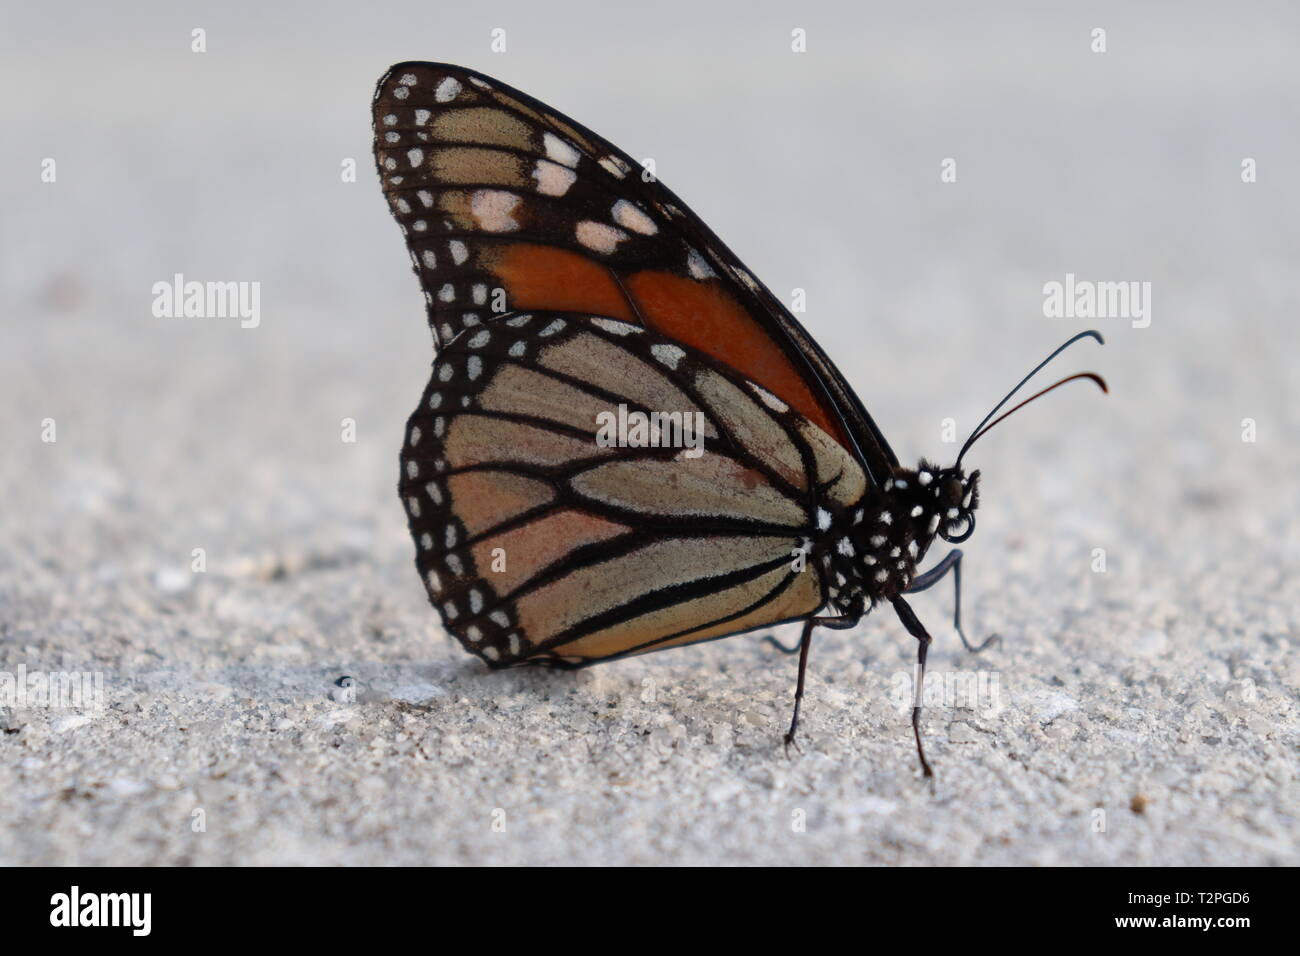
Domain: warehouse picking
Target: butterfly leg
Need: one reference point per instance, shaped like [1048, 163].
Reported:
[917, 630]
[936, 574]
[836, 623]
[805, 642]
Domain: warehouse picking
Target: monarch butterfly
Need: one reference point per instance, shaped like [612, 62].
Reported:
[568, 289]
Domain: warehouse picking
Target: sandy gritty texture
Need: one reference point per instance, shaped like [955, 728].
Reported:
[1161, 692]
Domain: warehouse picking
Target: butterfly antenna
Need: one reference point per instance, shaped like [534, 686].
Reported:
[1101, 383]
[979, 429]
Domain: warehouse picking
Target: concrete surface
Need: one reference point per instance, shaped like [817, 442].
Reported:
[1146, 714]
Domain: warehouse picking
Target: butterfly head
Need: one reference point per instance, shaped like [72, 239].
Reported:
[938, 501]
[958, 495]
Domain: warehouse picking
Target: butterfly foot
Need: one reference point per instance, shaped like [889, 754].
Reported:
[980, 648]
[791, 742]
[769, 639]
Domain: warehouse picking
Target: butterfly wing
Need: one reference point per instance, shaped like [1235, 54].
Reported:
[507, 205]
[539, 540]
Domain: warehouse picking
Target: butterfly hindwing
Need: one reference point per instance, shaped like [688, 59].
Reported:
[508, 206]
[540, 540]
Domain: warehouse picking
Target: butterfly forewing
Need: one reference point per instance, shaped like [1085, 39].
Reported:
[507, 206]
[538, 539]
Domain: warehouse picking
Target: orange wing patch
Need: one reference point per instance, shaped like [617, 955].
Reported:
[704, 316]
[546, 277]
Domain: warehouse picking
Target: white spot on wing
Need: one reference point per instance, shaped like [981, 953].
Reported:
[447, 90]
[698, 268]
[599, 237]
[614, 327]
[494, 208]
[552, 178]
[614, 166]
[559, 150]
[628, 216]
[668, 355]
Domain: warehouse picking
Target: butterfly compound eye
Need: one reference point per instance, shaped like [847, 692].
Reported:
[952, 492]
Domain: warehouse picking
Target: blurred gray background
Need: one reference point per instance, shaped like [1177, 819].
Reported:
[1161, 693]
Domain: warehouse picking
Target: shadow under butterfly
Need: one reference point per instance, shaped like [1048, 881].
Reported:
[567, 289]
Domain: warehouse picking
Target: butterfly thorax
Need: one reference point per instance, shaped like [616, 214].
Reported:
[872, 551]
